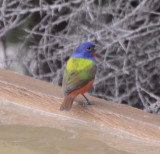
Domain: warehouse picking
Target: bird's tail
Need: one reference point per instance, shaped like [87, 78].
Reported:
[68, 101]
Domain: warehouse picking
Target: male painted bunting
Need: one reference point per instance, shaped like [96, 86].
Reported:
[79, 75]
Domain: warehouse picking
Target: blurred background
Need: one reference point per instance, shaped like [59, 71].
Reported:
[37, 37]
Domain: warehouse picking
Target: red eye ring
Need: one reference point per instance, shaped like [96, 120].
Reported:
[89, 49]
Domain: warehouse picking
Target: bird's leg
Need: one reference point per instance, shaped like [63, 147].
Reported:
[88, 102]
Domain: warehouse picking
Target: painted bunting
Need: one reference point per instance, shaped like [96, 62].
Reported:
[79, 75]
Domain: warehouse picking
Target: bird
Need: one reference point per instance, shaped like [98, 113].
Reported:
[79, 75]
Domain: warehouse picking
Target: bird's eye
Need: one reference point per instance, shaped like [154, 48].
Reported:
[89, 49]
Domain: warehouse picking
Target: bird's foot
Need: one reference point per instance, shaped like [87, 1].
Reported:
[88, 103]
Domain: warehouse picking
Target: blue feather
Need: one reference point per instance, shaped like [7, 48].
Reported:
[82, 52]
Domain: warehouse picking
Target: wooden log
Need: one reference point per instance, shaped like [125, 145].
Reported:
[103, 115]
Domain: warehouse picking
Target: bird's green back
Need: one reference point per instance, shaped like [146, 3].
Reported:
[79, 71]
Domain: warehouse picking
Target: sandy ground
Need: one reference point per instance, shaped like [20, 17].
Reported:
[138, 131]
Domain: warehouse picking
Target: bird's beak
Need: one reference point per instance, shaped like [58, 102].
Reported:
[94, 52]
[93, 49]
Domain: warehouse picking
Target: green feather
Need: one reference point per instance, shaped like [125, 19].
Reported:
[79, 72]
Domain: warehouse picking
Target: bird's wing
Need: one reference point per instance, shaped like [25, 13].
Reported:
[77, 78]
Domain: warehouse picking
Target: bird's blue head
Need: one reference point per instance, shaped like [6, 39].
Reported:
[85, 50]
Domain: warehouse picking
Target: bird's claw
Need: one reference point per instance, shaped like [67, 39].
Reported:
[88, 103]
